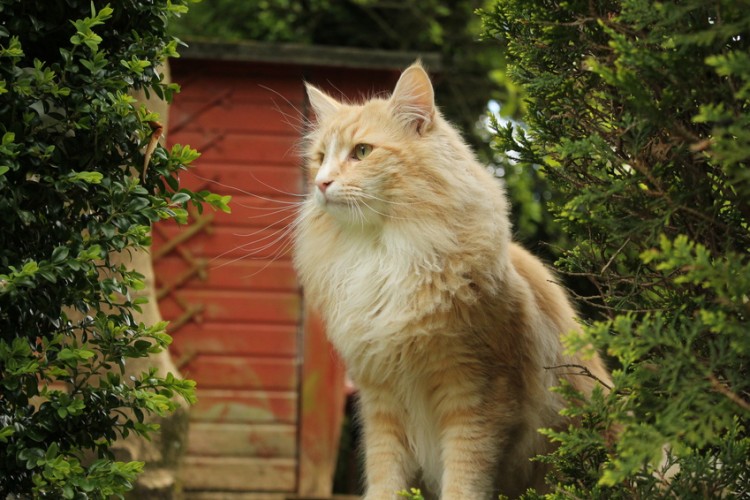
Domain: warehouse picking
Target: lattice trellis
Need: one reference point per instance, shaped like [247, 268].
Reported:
[197, 266]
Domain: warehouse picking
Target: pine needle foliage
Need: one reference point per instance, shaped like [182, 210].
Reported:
[639, 117]
[75, 189]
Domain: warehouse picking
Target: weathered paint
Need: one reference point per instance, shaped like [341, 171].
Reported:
[320, 426]
[244, 406]
[239, 473]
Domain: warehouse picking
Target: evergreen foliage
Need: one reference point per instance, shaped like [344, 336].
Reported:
[639, 115]
[74, 190]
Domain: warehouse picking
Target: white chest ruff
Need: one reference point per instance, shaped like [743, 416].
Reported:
[370, 323]
[370, 294]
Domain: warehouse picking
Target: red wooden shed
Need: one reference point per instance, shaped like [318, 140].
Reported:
[270, 389]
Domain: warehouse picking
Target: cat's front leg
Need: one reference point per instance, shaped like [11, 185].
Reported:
[470, 459]
[389, 465]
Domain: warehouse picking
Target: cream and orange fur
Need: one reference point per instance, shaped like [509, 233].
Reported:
[447, 327]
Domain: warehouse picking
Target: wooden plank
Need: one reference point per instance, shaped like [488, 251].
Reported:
[227, 242]
[241, 339]
[238, 474]
[261, 210]
[272, 116]
[268, 85]
[322, 410]
[251, 210]
[354, 60]
[242, 406]
[242, 372]
[354, 87]
[227, 274]
[331, 497]
[242, 440]
[237, 306]
[221, 80]
[240, 147]
[232, 495]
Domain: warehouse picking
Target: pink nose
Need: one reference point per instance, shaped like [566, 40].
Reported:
[323, 185]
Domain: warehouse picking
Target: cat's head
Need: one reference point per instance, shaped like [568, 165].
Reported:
[382, 159]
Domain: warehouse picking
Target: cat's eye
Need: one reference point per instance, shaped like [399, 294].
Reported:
[361, 151]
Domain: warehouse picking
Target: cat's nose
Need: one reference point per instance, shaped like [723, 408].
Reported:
[323, 185]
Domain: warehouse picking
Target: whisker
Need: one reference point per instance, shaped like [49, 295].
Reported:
[360, 214]
[296, 195]
[233, 249]
[239, 247]
[275, 211]
[287, 231]
[242, 191]
[277, 256]
[284, 249]
[390, 202]
[301, 122]
[289, 216]
[303, 118]
[276, 235]
[229, 262]
[290, 205]
[387, 216]
[342, 96]
[279, 236]
[265, 266]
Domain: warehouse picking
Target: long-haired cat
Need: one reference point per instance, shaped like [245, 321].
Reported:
[447, 327]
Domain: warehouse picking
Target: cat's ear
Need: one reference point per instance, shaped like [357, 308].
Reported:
[413, 100]
[323, 105]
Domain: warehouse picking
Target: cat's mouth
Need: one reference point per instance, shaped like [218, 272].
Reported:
[330, 201]
[337, 205]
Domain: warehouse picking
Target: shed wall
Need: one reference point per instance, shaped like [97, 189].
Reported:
[242, 345]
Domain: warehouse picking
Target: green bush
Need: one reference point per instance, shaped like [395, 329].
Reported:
[74, 190]
[639, 116]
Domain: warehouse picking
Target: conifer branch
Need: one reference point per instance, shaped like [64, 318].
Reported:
[724, 390]
[582, 371]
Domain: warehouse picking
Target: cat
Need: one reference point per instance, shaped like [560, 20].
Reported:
[449, 329]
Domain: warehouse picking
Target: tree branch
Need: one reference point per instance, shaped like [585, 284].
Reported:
[723, 389]
[583, 371]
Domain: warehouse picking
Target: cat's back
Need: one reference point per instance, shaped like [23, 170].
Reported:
[549, 296]
[560, 319]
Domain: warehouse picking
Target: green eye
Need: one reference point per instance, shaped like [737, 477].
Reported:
[361, 151]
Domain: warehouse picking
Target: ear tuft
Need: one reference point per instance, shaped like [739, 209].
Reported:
[323, 105]
[413, 99]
